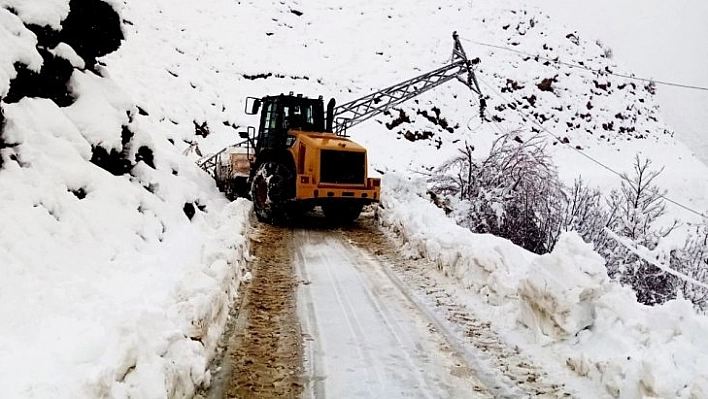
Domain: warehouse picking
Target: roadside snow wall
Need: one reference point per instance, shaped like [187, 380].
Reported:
[566, 305]
[119, 259]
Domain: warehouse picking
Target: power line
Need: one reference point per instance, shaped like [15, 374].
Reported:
[598, 71]
[622, 176]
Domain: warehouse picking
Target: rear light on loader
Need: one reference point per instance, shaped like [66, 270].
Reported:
[305, 179]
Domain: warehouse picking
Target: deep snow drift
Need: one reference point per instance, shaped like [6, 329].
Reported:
[118, 257]
[560, 307]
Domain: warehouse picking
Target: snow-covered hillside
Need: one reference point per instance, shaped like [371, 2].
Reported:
[657, 40]
[118, 257]
[345, 50]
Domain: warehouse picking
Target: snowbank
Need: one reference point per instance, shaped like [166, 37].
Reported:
[102, 279]
[568, 308]
[119, 259]
[108, 288]
[477, 261]
[559, 290]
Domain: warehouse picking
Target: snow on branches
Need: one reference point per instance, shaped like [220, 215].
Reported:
[514, 192]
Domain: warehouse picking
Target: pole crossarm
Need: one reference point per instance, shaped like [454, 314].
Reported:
[354, 112]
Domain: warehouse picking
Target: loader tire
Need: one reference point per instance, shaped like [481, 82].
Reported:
[272, 187]
[342, 213]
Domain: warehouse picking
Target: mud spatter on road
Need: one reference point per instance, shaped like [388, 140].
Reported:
[263, 357]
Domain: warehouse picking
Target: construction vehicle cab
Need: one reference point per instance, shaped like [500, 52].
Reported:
[281, 113]
[299, 163]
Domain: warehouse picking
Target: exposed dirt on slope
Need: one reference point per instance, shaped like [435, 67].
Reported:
[263, 358]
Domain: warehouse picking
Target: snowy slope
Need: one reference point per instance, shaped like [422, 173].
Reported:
[656, 39]
[118, 259]
[111, 288]
[345, 50]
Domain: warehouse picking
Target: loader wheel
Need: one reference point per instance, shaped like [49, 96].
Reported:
[342, 213]
[272, 186]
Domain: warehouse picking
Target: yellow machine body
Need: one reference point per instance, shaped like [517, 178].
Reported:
[316, 153]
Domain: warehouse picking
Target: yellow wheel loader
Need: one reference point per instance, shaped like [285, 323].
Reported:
[300, 157]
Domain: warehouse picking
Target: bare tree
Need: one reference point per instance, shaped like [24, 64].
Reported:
[583, 211]
[642, 203]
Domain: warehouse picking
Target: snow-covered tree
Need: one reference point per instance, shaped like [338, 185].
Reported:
[634, 210]
[583, 211]
[692, 260]
[514, 192]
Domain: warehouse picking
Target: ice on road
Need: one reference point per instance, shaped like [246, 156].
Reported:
[363, 337]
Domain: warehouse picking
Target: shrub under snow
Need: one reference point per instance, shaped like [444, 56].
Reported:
[568, 307]
[515, 192]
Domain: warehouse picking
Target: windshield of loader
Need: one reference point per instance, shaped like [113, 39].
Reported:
[303, 114]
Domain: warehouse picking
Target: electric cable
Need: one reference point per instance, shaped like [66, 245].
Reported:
[598, 71]
[622, 176]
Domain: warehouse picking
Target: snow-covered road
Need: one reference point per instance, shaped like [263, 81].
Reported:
[343, 312]
[363, 337]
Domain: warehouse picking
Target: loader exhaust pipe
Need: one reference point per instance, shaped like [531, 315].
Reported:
[330, 115]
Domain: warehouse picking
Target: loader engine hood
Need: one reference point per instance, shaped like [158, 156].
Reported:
[329, 141]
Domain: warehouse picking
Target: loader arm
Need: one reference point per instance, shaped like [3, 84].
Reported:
[354, 112]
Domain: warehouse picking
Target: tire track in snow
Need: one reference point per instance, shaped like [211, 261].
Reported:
[506, 372]
[345, 286]
[356, 330]
[315, 362]
[353, 331]
[393, 327]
